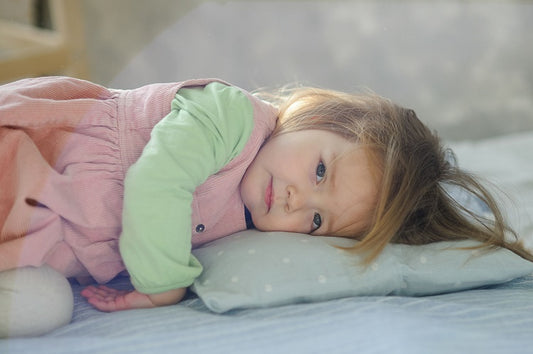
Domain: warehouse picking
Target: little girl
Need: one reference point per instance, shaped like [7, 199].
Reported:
[97, 181]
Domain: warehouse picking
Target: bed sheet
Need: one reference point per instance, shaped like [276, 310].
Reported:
[489, 320]
[493, 319]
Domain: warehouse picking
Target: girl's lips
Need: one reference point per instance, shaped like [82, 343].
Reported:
[268, 195]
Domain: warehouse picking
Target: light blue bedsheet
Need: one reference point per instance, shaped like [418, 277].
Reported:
[496, 319]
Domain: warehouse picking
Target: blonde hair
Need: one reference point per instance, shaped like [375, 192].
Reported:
[413, 206]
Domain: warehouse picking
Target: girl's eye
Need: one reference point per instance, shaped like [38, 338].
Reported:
[317, 221]
[320, 171]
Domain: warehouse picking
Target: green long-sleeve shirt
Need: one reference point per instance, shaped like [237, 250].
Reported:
[206, 128]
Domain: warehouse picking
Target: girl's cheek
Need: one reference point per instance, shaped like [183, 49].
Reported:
[293, 223]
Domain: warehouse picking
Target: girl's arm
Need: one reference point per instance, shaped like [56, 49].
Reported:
[109, 300]
[206, 128]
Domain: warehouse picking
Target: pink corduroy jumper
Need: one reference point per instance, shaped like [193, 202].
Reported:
[65, 146]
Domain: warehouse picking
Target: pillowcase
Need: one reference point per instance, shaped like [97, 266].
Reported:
[253, 269]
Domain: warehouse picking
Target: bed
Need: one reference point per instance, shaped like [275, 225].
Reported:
[459, 304]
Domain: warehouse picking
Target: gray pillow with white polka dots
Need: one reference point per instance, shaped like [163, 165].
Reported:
[259, 269]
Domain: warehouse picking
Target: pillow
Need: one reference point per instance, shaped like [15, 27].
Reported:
[258, 269]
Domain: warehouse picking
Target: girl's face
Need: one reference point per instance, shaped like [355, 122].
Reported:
[310, 181]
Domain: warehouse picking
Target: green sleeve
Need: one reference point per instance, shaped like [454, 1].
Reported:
[205, 129]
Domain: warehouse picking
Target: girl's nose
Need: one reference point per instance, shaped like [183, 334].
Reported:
[296, 198]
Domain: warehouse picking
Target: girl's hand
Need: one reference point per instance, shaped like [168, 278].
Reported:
[110, 300]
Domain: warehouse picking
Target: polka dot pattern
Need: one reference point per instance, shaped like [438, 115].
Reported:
[262, 269]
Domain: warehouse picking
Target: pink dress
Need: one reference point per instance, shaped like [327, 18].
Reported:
[57, 137]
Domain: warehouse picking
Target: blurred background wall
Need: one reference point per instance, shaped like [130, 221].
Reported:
[466, 67]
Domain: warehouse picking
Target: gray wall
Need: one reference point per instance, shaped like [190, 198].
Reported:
[466, 67]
